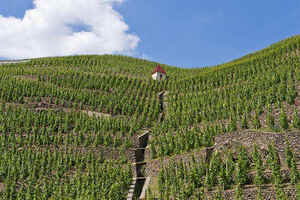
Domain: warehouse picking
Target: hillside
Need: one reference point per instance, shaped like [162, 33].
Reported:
[98, 127]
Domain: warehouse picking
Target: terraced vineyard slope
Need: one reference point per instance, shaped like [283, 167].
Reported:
[74, 128]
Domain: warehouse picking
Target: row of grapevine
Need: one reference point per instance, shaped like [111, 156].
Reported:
[188, 180]
[52, 174]
[170, 141]
[21, 126]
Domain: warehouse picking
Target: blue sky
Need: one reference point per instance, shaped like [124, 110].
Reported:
[197, 33]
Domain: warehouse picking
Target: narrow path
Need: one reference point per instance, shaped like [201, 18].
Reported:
[162, 106]
[143, 164]
[140, 183]
[2, 62]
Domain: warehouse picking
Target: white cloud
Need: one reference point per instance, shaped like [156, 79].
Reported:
[46, 30]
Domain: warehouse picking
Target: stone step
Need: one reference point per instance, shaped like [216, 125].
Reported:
[130, 195]
[140, 148]
[139, 178]
[131, 190]
[139, 163]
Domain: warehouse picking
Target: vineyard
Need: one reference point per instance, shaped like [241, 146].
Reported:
[73, 128]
